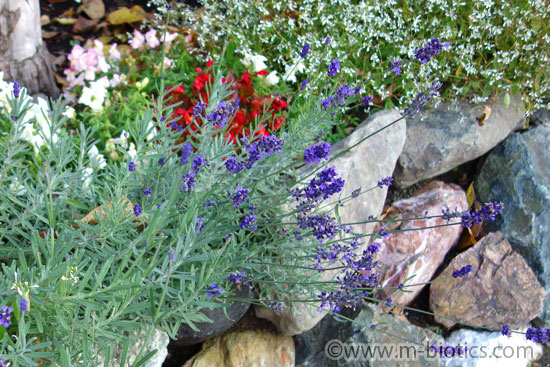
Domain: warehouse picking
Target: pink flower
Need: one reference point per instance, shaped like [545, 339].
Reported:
[152, 40]
[114, 54]
[138, 40]
[167, 63]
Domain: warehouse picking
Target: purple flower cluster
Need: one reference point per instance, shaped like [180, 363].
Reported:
[389, 303]
[541, 335]
[424, 54]
[324, 185]
[305, 50]
[339, 99]
[171, 255]
[395, 64]
[240, 278]
[333, 68]
[506, 330]
[421, 99]
[489, 211]
[266, 145]
[189, 178]
[131, 166]
[147, 192]
[186, 153]
[317, 152]
[198, 108]
[5, 316]
[322, 226]
[387, 181]
[213, 290]
[304, 83]
[239, 197]
[199, 225]
[3, 362]
[366, 100]
[209, 203]
[161, 161]
[137, 210]
[383, 232]
[465, 270]
[222, 113]
[16, 89]
[23, 305]
[249, 220]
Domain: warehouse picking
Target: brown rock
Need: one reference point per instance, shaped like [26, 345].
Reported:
[244, 349]
[418, 252]
[501, 289]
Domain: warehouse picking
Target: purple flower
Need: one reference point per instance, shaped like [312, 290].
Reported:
[395, 64]
[389, 303]
[147, 192]
[198, 161]
[506, 330]
[327, 40]
[5, 316]
[239, 278]
[366, 100]
[131, 166]
[233, 165]
[198, 108]
[462, 272]
[322, 226]
[305, 50]
[240, 196]
[161, 161]
[355, 193]
[538, 335]
[304, 83]
[199, 225]
[317, 152]
[489, 211]
[373, 326]
[325, 184]
[23, 305]
[339, 99]
[188, 181]
[421, 100]
[333, 68]
[387, 181]
[266, 145]
[424, 54]
[249, 220]
[213, 290]
[383, 233]
[221, 114]
[209, 203]
[186, 153]
[275, 306]
[16, 89]
[137, 210]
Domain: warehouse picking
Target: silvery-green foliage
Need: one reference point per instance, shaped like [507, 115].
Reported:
[92, 282]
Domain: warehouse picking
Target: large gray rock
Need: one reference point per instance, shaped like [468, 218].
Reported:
[516, 173]
[362, 167]
[449, 135]
[491, 349]
[326, 344]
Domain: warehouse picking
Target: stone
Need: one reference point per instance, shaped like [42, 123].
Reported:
[451, 134]
[319, 346]
[418, 252]
[159, 340]
[516, 173]
[187, 336]
[501, 289]
[244, 349]
[499, 350]
[362, 167]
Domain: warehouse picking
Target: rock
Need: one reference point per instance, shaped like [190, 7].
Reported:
[540, 116]
[159, 340]
[187, 336]
[418, 252]
[499, 350]
[451, 134]
[516, 173]
[244, 349]
[324, 341]
[501, 289]
[362, 167]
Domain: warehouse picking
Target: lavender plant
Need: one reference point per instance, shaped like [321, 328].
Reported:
[92, 252]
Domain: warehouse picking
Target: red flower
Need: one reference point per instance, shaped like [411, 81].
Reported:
[278, 104]
[277, 124]
[262, 72]
[246, 79]
[209, 63]
[198, 70]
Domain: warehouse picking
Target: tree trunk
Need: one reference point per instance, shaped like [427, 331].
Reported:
[23, 55]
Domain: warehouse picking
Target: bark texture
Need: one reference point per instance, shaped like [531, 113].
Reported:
[23, 55]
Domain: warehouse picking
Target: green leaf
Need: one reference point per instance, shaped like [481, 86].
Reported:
[77, 204]
[147, 357]
[507, 100]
